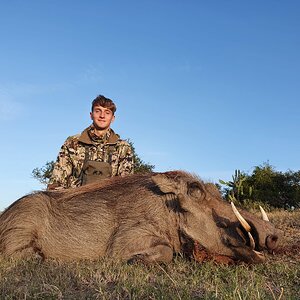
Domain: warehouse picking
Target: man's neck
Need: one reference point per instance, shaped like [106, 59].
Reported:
[101, 132]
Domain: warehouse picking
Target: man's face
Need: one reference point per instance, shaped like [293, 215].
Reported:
[102, 117]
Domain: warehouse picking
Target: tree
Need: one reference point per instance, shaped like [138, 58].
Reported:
[265, 185]
[139, 165]
[235, 190]
[43, 174]
[278, 189]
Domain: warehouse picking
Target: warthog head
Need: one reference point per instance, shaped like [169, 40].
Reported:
[214, 223]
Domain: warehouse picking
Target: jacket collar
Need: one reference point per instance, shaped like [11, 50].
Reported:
[85, 138]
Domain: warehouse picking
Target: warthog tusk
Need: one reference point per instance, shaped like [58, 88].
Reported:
[244, 223]
[264, 214]
[252, 243]
[260, 254]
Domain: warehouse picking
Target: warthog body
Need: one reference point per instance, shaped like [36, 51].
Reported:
[140, 217]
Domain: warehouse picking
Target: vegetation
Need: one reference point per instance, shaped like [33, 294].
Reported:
[43, 174]
[264, 186]
[278, 278]
[139, 165]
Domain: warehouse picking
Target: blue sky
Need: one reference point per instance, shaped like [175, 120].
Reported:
[204, 86]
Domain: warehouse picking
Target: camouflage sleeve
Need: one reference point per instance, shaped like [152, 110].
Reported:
[62, 169]
[126, 162]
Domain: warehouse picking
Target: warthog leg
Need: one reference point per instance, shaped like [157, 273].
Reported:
[158, 253]
[19, 243]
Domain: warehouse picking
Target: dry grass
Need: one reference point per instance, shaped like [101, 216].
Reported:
[278, 278]
[289, 223]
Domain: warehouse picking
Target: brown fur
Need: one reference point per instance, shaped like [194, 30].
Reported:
[140, 217]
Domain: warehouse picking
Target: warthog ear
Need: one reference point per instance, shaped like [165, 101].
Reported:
[165, 184]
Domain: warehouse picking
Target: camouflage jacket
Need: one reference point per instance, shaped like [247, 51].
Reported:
[110, 148]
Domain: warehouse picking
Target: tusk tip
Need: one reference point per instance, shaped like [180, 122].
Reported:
[264, 214]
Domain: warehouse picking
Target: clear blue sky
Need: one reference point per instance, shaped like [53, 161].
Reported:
[204, 86]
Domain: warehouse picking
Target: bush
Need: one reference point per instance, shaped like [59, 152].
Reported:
[265, 186]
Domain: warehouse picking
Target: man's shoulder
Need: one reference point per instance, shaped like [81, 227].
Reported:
[72, 141]
[125, 144]
[73, 138]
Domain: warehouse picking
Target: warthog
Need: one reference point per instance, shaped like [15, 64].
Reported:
[145, 217]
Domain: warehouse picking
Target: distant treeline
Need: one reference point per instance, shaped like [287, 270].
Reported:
[265, 185]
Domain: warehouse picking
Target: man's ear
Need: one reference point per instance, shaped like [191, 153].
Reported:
[165, 183]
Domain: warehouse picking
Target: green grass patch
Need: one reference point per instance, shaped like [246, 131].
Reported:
[182, 279]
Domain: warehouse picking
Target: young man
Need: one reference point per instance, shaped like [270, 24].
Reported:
[97, 153]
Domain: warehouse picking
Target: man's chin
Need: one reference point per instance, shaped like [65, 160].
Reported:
[101, 127]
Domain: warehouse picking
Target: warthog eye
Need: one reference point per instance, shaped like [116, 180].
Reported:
[195, 190]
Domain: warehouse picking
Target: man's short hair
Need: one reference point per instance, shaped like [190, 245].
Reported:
[104, 102]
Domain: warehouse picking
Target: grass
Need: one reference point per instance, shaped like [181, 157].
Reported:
[278, 278]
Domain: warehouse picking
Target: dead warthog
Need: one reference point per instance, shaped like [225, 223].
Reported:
[140, 217]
